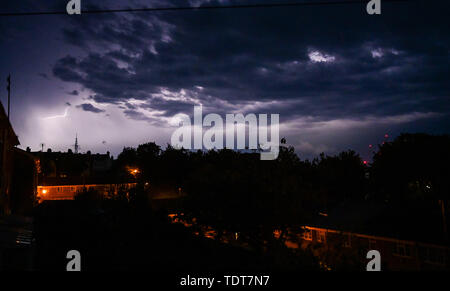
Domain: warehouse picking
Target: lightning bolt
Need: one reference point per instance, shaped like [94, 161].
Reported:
[58, 116]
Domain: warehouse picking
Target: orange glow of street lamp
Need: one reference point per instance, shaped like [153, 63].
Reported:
[133, 171]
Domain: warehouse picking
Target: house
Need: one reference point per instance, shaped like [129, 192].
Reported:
[8, 141]
[61, 165]
[396, 254]
[344, 236]
[69, 191]
[24, 183]
[64, 174]
[18, 173]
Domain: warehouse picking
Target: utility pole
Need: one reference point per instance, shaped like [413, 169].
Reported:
[8, 87]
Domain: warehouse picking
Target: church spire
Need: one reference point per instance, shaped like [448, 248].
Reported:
[76, 143]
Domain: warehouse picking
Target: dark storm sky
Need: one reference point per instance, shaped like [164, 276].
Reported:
[339, 78]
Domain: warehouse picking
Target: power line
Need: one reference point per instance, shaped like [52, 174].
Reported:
[156, 9]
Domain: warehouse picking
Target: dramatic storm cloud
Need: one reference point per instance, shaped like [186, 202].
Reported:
[338, 77]
[90, 108]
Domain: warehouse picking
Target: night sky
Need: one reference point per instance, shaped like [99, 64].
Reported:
[339, 78]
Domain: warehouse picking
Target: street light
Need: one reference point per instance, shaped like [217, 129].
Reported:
[133, 171]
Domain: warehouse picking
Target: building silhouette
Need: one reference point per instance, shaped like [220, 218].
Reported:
[8, 141]
[18, 175]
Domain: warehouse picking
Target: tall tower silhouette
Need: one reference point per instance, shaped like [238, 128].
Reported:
[76, 143]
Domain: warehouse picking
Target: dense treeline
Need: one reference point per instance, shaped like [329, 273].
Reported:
[238, 191]
[413, 166]
[228, 185]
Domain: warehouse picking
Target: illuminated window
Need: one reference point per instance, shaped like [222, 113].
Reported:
[320, 236]
[307, 234]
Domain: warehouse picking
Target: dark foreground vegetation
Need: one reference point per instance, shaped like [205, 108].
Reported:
[117, 235]
[236, 192]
